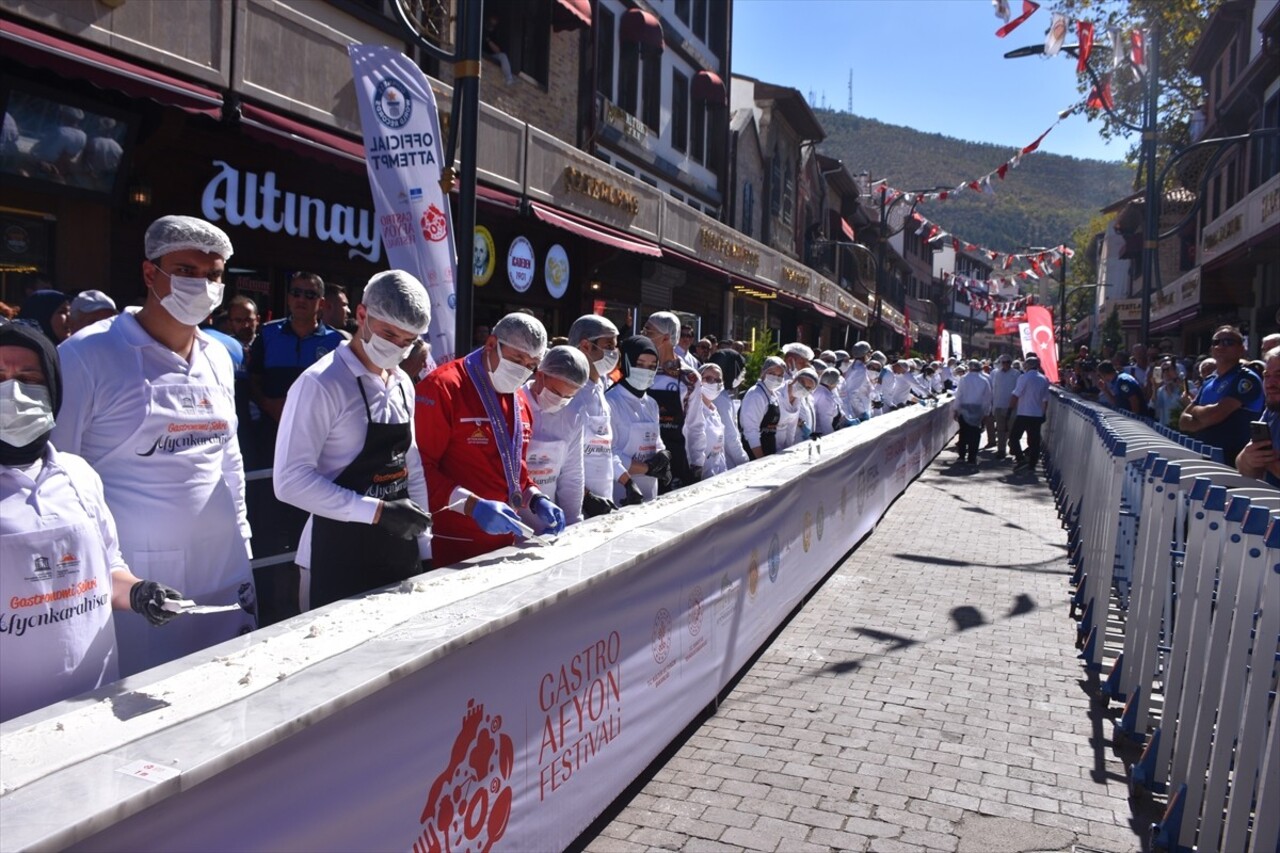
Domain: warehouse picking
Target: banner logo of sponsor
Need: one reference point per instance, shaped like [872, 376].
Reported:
[695, 611]
[822, 520]
[806, 535]
[775, 558]
[469, 803]
[434, 225]
[392, 104]
[753, 573]
[40, 569]
[661, 639]
[582, 703]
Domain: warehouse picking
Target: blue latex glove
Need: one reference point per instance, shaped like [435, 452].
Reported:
[548, 513]
[805, 432]
[496, 518]
[851, 422]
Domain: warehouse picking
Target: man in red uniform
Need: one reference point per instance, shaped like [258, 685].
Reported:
[472, 431]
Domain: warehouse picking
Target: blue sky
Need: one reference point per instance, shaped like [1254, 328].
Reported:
[934, 65]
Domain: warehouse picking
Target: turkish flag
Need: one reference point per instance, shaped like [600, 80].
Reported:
[1009, 325]
[939, 353]
[1040, 320]
[1028, 9]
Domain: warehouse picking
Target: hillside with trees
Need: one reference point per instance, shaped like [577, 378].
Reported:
[1041, 203]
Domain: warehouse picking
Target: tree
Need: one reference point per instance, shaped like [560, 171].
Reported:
[765, 347]
[1112, 335]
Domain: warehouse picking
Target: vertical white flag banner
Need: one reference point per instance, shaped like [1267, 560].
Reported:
[956, 349]
[403, 153]
[1024, 332]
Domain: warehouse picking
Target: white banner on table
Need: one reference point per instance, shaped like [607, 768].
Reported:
[402, 152]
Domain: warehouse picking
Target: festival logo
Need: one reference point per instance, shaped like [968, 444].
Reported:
[392, 104]
[469, 803]
[660, 641]
[806, 535]
[581, 702]
[753, 574]
[775, 558]
[434, 225]
[695, 611]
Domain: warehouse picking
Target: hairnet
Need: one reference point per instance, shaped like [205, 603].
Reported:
[589, 327]
[773, 361]
[396, 297]
[806, 373]
[522, 331]
[974, 364]
[799, 349]
[179, 233]
[40, 307]
[878, 356]
[711, 367]
[819, 364]
[827, 356]
[567, 363]
[842, 355]
[665, 322]
[861, 349]
[1032, 360]
[830, 376]
[29, 337]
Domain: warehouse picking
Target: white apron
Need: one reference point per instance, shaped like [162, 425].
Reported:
[640, 443]
[55, 616]
[597, 454]
[544, 459]
[716, 462]
[176, 517]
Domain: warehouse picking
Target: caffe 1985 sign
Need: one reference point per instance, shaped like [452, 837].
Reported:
[556, 271]
[520, 264]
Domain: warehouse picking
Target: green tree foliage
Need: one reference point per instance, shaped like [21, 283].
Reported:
[1041, 203]
[1112, 335]
[765, 347]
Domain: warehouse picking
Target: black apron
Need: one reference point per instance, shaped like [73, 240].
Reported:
[349, 557]
[671, 428]
[768, 431]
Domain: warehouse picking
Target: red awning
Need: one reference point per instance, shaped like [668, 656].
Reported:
[301, 138]
[32, 47]
[571, 14]
[707, 86]
[642, 28]
[592, 231]
[824, 310]
[847, 229]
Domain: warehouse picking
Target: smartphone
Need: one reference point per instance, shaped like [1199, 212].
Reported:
[1259, 432]
[1157, 374]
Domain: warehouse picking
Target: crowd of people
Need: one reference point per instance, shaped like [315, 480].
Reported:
[122, 477]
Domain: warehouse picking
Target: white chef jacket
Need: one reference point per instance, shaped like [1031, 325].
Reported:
[826, 407]
[1032, 392]
[600, 468]
[322, 430]
[58, 550]
[855, 389]
[555, 458]
[160, 431]
[1002, 384]
[790, 416]
[755, 404]
[735, 454]
[973, 397]
[705, 435]
[897, 390]
[636, 435]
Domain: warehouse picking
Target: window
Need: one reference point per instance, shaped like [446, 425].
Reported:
[629, 77]
[698, 132]
[653, 182]
[716, 140]
[700, 19]
[679, 111]
[1233, 183]
[652, 90]
[788, 192]
[748, 208]
[1266, 150]
[604, 36]
[775, 182]
[682, 10]
[525, 31]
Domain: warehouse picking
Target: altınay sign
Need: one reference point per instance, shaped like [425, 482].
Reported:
[251, 201]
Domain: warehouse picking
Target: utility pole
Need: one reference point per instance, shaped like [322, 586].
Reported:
[850, 110]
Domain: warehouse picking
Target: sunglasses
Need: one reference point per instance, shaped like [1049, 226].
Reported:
[1226, 342]
[299, 293]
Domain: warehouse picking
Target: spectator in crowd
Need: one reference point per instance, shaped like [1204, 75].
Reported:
[1029, 403]
[51, 311]
[795, 408]
[415, 363]
[730, 362]
[1269, 343]
[336, 313]
[855, 388]
[289, 346]
[1168, 402]
[555, 455]
[52, 511]
[241, 324]
[1139, 366]
[685, 348]
[637, 434]
[1120, 390]
[1260, 459]
[1003, 380]
[494, 49]
[242, 320]
[973, 405]
[346, 453]
[760, 412]
[669, 391]
[87, 308]
[828, 411]
[149, 403]
[1228, 399]
[1086, 384]
[473, 430]
[596, 338]
[704, 432]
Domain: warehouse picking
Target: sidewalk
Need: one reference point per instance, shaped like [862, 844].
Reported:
[927, 697]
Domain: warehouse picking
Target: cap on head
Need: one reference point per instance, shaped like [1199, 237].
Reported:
[588, 327]
[842, 355]
[974, 364]
[567, 363]
[831, 377]
[665, 323]
[879, 356]
[396, 297]
[522, 331]
[771, 362]
[806, 373]
[180, 233]
[798, 349]
[861, 349]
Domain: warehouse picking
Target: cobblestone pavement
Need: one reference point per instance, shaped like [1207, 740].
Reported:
[927, 697]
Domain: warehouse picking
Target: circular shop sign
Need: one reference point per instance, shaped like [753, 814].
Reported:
[484, 258]
[556, 270]
[520, 264]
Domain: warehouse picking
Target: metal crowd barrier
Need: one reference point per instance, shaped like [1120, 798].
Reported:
[1177, 587]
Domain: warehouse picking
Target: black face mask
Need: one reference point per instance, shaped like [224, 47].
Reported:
[20, 457]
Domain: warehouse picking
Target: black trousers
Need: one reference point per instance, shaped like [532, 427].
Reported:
[1030, 426]
[970, 436]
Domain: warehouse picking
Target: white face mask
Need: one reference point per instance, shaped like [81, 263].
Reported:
[773, 383]
[550, 402]
[607, 362]
[799, 391]
[191, 299]
[383, 353]
[711, 390]
[641, 378]
[508, 376]
[26, 412]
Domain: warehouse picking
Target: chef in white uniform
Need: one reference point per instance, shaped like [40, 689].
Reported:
[704, 431]
[596, 338]
[829, 414]
[555, 451]
[149, 403]
[637, 439]
[856, 387]
[61, 573]
[795, 408]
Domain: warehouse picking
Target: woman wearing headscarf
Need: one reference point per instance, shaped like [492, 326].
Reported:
[633, 417]
[704, 433]
[795, 408]
[51, 310]
[758, 417]
[61, 572]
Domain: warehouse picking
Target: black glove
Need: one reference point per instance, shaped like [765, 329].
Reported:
[404, 518]
[659, 464]
[634, 496]
[696, 473]
[593, 505]
[148, 598]
[877, 404]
